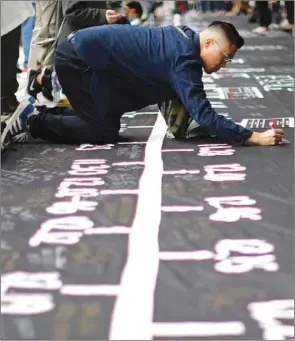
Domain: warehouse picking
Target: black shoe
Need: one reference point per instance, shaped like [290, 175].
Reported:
[47, 94]
[47, 79]
[8, 105]
[47, 84]
[33, 87]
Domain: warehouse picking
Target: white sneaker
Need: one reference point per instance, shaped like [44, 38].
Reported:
[284, 24]
[274, 27]
[260, 31]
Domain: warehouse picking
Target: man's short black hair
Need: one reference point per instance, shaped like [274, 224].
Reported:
[230, 32]
[137, 6]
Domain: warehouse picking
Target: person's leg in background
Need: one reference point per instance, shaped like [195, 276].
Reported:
[149, 9]
[288, 25]
[205, 6]
[220, 6]
[265, 17]
[290, 12]
[217, 6]
[212, 6]
[26, 36]
[276, 16]
[198, 6]
[252, 12]
[34, 55]
[9, 57]
[42, 49]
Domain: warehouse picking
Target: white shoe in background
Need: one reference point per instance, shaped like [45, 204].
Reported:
[274, 27]
[260, 30]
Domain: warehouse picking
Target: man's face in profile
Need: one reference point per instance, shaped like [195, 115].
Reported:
[216, 55]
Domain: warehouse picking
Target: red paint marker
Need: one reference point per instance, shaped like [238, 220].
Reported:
[273, 124]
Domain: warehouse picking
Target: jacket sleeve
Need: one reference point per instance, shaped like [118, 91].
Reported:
[80, 14]
[187, 82]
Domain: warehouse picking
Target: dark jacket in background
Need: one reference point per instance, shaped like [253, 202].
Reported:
[75, 15]
[80, 14]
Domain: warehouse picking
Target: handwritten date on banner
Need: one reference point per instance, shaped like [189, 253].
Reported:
[232, 256]
[27, 303]
[276, 82]
[234, 208]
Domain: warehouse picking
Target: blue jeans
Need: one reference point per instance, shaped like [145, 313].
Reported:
[205, 6]
[212, 5]
[26, 34]
[197, 5]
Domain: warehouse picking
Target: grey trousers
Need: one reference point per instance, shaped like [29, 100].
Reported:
[44, 34]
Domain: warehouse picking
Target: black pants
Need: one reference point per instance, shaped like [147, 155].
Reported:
[9, 56]
[217, 5]
[86, 121]
[290, 11]
[264, 13]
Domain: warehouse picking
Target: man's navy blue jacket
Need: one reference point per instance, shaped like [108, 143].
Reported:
[134, 67]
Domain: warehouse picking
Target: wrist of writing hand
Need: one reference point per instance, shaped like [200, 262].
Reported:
[253, 139]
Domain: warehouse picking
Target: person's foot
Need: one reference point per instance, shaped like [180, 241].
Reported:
[285, 25]
[260, 30]
[47, 84]
[47, 94]
[274, 27]
[33, 87]
[16, 125]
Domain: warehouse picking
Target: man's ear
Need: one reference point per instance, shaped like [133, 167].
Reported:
[209, 42]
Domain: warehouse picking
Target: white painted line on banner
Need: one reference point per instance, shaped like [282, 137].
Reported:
[134, 307]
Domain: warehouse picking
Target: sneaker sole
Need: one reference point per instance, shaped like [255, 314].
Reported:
[9, 122]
